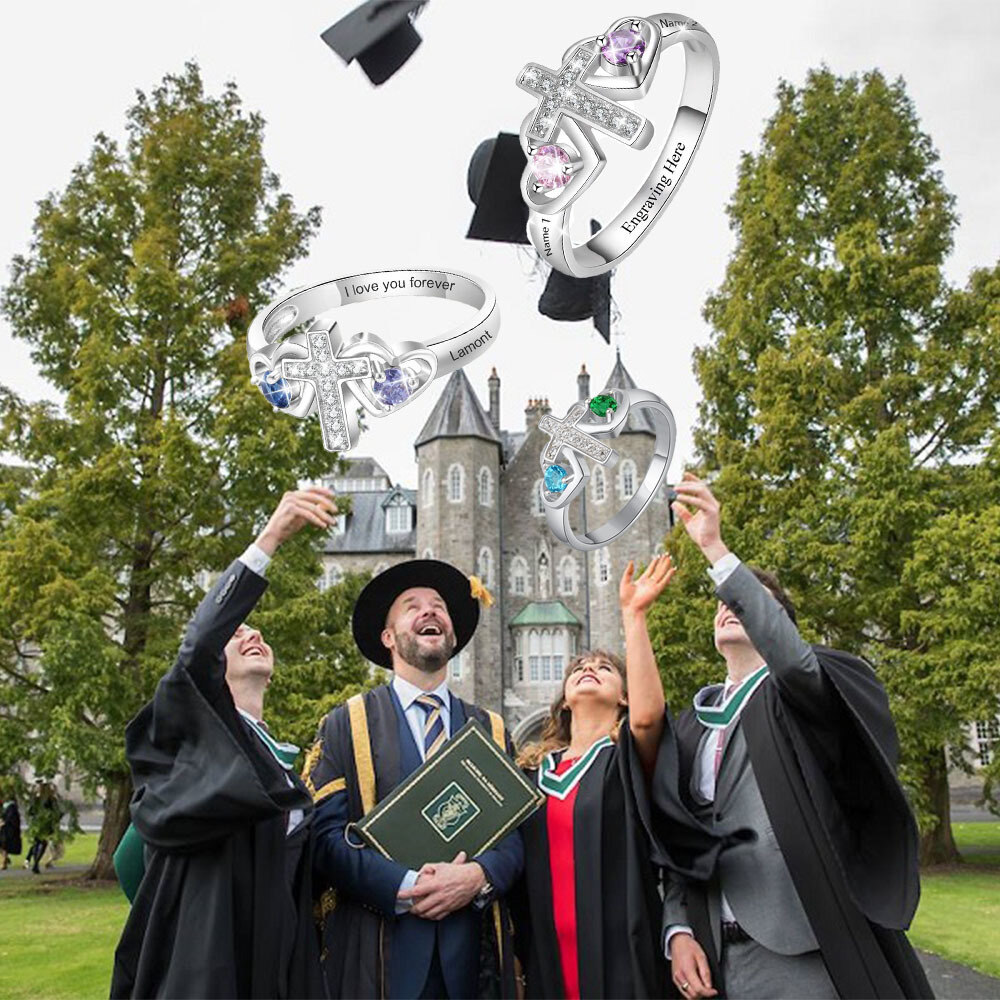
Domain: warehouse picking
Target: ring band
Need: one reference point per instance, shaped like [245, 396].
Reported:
[577, 100]
[311, 369]
[573, 441]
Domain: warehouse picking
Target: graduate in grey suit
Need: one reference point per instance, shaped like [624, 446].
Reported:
[797, 746]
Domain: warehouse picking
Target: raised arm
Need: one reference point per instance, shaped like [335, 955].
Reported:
[645, 689]
[791, 661]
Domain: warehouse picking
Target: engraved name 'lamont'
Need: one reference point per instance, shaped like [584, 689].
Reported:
[471, 346]
[658, 191]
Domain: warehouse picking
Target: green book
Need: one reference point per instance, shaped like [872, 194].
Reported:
[468, 796]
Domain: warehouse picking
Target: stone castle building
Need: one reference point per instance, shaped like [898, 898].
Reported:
[478, 505]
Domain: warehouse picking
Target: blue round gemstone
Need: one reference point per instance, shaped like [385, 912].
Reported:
[555, 478]
[275, 390]
[392, 390]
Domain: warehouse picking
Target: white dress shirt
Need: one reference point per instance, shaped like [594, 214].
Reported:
[407, 694]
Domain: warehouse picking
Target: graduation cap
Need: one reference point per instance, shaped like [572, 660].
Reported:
[494, 183]
[379, 34]
[572, 299]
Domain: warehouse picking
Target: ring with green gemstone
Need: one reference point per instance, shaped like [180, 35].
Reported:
[577, 438]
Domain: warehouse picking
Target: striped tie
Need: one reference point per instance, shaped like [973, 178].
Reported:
[434, 734]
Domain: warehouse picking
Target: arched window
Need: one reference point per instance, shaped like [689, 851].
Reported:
[534, 655]
[456, 483]
[547, 655]
[603, 566]
[484, 566]
[544, 576]
[567, 576]
[519, 575]
[627, 478]
[427, 489]
[485, 485]
[537, 505]
[560, 652]
[518, 655]
[599, 485]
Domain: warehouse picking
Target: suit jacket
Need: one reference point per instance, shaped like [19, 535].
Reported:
[367, 880]
[753, 873]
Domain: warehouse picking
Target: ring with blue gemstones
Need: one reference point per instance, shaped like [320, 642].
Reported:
[575, 440]
[303, 365]
[588, 94]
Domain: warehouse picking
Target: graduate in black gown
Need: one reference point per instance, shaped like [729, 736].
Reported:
[591, 923]
[225, 907]
[798, 746]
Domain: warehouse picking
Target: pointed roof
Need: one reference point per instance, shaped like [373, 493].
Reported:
[457, 413]
[639, 422]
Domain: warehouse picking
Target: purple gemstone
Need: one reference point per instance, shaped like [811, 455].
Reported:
[548, 165]
[392, 390]
[621, 44]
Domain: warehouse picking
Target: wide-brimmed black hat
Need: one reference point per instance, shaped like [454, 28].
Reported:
[455, 588]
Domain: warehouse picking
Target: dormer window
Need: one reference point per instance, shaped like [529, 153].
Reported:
[398, 519]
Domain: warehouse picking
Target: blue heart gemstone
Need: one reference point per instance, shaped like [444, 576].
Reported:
[555, 478]
[275, 390]
[392, 390]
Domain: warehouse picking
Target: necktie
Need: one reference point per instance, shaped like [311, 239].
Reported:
[721, 741]
[434, 734]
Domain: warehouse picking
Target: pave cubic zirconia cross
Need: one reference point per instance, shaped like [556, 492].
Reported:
[328, 374]
[561, 93]
[565, 433]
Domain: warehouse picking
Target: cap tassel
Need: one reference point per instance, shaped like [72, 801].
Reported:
[479, 592]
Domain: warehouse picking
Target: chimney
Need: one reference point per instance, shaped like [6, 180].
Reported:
[531, 414]
[494, 384]
[583, 384]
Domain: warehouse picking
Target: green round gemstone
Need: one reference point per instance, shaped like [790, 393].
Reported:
[602, 404]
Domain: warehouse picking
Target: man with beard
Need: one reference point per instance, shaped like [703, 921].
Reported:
[442, 931]
[799, 747]
[223, 900]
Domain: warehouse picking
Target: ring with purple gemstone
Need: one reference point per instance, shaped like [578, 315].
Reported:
[586, 95]
[573, 440]
[303, 364]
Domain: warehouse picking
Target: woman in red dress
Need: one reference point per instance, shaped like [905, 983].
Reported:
[592, 926]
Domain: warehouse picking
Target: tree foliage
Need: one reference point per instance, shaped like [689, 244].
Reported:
[162, 461]
[850, 399]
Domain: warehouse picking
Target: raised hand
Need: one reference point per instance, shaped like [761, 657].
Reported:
[637, 595]
[296, 509]
[703, 522]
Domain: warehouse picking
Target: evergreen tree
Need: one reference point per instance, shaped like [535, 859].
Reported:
[850, 395]
[134, 294]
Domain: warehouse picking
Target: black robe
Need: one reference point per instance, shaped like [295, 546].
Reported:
[10, 830]
[225, 906]
[617, 887]
[841, 820]
[357, 939]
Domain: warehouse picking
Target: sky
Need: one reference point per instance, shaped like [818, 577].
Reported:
[388, 165]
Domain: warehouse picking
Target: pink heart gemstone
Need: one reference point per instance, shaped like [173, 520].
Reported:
[547, 164]
[621, 44]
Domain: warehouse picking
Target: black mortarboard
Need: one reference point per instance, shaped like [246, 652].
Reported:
[379, 34]
[572, 299]
[376, 599]
[495, 189]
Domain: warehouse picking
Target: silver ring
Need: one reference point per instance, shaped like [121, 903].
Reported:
[314, 369]
[583, 95]
[573, 441]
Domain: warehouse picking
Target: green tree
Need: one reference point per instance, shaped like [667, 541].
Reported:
[162, 461]
[849, 395]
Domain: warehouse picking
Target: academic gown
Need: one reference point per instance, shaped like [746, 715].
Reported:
[225, 906]
[369, 950]
[616, 861]
[841, 820]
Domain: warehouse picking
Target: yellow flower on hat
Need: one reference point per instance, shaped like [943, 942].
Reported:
[479, 592]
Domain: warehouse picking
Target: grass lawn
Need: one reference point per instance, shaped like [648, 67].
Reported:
[57, 936]
[960, 905]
